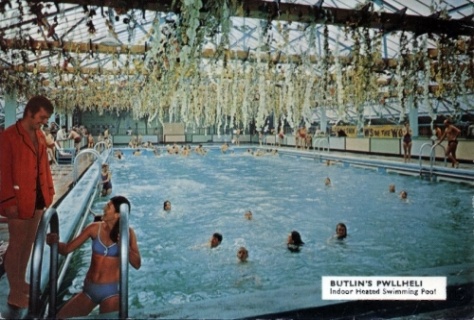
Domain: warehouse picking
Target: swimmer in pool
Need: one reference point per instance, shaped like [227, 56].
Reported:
[403, 194]
[294, 241]
[216, 240]
[118, 154]
[248, 215]
[391, 188]
[327, 181]
[341, 231]
[242, 254]
[101, 284]
[224, 148]
[167, 205]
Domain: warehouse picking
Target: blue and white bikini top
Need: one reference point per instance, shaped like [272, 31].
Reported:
[99, 248]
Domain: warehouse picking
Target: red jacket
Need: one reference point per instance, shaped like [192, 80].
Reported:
[19, 169]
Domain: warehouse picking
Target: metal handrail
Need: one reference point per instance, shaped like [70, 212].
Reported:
[423, 146]
[98, 144]
[79, 228]
[432, 156]
[124, 247]
[319, 143]
[85, 151]
[50, 217]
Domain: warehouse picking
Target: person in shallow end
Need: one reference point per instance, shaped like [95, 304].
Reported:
[101, 284]
[26, 190]
[216, 240]
[167, 205]
[294, 241]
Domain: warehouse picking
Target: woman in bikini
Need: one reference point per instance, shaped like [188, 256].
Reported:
[101, 284]
[407, 143]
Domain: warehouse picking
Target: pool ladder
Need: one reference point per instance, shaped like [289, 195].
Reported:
[432, 157]
[322, 143]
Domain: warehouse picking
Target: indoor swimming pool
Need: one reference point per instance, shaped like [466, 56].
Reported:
[181, 277]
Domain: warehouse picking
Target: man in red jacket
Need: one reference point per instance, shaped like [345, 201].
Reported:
[26, 189]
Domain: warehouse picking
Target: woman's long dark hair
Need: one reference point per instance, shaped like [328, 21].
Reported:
[117, 201]
[297, 242]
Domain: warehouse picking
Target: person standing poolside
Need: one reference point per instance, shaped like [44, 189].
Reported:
[26, 189]
[90, 140]
[281, 136]
[101, 284]
[106, 176]
[237, 137]
[407, 143]
[61, 135]
[50, 144]
[74, 135]
[451, 133]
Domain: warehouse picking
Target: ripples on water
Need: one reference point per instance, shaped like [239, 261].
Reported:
[387, 236]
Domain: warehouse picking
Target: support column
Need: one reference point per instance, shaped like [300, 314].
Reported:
[360, 120]
[10, 108]
[413, 118]
[323, 120]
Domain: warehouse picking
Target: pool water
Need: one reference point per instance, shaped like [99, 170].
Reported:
[181, 277]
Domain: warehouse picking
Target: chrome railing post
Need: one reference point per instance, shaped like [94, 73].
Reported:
[50, 217]
[421, 154]
[85, 151]
[124, 240]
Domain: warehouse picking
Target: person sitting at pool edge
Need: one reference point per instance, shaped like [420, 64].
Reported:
[294, 241]
[341, 231]
[167, 205]
[242, 254]
[216, 240]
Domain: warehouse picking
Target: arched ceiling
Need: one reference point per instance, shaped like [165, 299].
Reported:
[73, 45]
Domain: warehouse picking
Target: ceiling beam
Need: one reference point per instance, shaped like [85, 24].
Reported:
[92, 48]
[273, 10]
